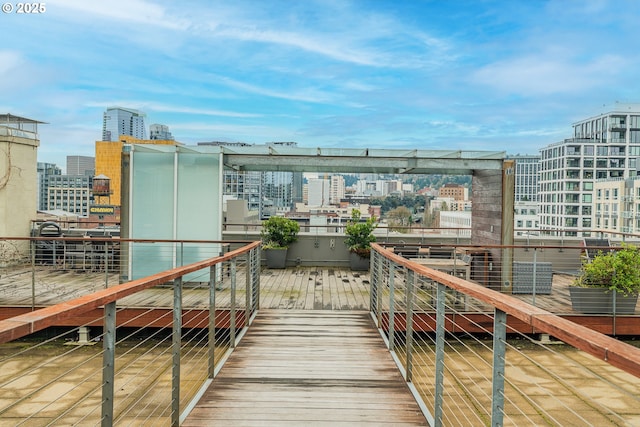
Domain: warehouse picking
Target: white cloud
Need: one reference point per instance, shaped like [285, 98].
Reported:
[134, 11]
[149, 106]
[538, 75]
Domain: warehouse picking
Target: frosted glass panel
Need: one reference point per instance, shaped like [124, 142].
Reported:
[193, 213]
[198, 209]
[151, 212]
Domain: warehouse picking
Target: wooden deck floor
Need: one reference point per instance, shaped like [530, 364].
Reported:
[308, 368]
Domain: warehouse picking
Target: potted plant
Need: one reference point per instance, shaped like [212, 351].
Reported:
[611, 279]
[359, 238]
[277, 234]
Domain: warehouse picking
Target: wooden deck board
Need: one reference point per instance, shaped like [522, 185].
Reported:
[308, 368]
[320, 288]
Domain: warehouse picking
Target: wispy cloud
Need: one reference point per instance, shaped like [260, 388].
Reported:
[322, 72]
[121, 12]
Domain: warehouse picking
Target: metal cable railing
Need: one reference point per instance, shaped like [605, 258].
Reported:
[152, 355]
[475, 356]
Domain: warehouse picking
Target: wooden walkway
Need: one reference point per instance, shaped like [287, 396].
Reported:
[311, 368]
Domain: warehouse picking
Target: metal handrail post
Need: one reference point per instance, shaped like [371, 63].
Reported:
[499, 354]
[392, 271]
[108, 364]
[248, 291]
[441, 294]
[176, 349]
[232, 326]
[256, 260]
[212, 320]
[409, 324]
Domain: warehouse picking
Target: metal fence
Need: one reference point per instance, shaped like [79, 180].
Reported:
[475, 356]
[147, 347]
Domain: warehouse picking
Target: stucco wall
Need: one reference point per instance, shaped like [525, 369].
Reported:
[18, 185]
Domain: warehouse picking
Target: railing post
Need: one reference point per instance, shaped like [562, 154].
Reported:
[373, 272]
[256, 271]
[177, 346]
[381, 262]
[534, 278]
[248, 291]
[106, 264]
[499, 353]
[232, 326]
[440, 333]
[33, 275]
[108, 363]
[212, 320]
[409, 324]
[392, 271]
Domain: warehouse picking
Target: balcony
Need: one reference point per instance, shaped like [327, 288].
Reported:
[168, 349]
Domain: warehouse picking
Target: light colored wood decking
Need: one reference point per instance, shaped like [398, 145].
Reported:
[309, 288]
[308, 368]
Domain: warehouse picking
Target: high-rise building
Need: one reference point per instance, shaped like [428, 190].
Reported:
[337, 189]
[118, 121]
[268, 192]
[319, 190]
[157, 131]
[527, 184]
[602, 147]
[45, 172]
[81, 165]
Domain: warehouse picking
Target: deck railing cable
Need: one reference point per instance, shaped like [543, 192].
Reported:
[160, 347]
[497, 374]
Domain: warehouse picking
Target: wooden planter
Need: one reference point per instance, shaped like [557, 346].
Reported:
[600, 301]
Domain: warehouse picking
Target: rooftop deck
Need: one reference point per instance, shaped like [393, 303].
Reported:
[296, 350]
[297, 288]
[309, 368]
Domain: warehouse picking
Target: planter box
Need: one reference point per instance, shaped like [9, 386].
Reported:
[600, 301]
[276, 258]
[523, 278]
[358, 263]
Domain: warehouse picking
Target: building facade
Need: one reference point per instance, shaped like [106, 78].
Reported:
[527, 178]
[603, 147]
[81, 165]
[617, 205]
[70, 193]
[19, 144]
[337, 190]
[118, 121]
[319, 192]
[109, 163]
[45, 172]
[158, 131]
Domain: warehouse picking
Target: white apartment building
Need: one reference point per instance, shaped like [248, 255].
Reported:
[525, 217]
[318, 192]
[527, 175]
[118, 121]
[617, 205]
[603, 147]
[337, 191]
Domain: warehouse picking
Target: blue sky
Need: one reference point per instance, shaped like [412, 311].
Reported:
[472, 75]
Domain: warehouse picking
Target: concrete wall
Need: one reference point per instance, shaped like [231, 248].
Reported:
[18, 183]
[330, 250]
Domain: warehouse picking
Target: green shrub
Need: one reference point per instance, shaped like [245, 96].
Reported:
[279, 232]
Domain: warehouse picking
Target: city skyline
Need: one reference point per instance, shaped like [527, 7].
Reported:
[495, 75]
